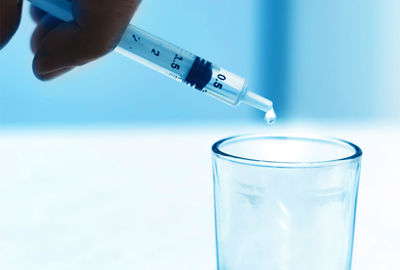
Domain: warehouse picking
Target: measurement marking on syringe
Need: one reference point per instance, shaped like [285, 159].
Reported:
[176, 77]
[217, 84]
[155, 52]
[179, 64]
[174, 65]
[136, 38]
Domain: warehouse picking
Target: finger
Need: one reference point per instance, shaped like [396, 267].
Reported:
[62, 47]
[10, 15]
[37, 14]
[45, 25]
[55, 74]
[96, 30]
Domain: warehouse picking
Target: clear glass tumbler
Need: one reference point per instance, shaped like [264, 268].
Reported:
[285, 203]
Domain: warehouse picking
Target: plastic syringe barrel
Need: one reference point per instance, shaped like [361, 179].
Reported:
[182, 65]
[168, 59]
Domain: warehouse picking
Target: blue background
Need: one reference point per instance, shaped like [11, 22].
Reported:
[318, 60]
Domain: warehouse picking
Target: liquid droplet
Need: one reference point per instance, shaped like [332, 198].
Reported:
[270, 117]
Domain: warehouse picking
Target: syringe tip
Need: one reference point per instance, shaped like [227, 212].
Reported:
[263, 104]
[257, 101]
[270, 117]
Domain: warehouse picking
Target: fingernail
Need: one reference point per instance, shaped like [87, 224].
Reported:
[53, 75]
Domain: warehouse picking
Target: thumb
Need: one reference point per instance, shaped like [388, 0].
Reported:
[10, 15]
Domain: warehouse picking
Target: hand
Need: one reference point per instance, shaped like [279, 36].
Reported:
[10, 15]
[96, 30]
[58, 46]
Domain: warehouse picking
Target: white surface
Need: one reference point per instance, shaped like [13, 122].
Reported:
[142, 198]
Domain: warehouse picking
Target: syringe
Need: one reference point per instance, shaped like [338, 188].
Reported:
[176, 63]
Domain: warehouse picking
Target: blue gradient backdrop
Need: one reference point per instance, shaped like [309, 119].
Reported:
[318, 60]
[118, 90]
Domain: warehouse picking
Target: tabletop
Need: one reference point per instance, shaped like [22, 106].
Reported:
[142, 198]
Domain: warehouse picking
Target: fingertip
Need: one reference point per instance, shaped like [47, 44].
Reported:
[39, 66]
[56, 74]
[10, 17]
[42, 66]
[45, 26]
[55, 51]
[52, 75]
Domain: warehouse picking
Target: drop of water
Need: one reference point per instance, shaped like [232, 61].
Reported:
[270, 117]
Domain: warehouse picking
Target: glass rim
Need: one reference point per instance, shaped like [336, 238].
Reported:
[286, 164]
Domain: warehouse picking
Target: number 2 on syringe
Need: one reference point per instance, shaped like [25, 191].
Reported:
[156, 53]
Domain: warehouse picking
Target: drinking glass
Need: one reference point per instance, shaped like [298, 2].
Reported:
[285, 203]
